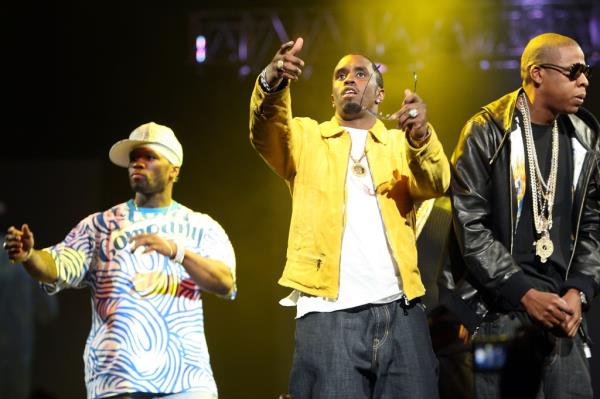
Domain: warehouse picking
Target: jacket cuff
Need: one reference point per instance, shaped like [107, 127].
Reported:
[582, 283]
[514, 288]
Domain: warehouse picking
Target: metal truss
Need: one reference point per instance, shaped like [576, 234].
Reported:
[487, 33]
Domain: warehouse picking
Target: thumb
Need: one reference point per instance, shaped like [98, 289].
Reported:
[297, 46]
[27, 234]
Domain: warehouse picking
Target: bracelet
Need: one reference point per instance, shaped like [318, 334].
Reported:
[583, 298]
[263, 81]
[180, 254]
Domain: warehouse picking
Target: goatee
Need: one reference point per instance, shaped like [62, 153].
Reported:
[352, 108]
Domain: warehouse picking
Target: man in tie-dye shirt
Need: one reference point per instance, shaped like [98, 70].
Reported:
[146, 261]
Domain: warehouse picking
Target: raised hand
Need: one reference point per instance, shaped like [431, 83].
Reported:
[18, 243]
[412, 117]
[285, 64]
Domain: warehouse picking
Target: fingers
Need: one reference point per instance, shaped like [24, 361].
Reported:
[285, 64]
[563, 306]
[571, 324]
[292, 47]
[410, 97]
[150, 243]
[412, 118]
[285, 47]
[297, 46]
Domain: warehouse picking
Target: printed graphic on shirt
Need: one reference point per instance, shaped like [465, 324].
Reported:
[147, 331]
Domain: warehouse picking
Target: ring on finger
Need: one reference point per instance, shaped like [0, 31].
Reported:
[413, 113]
[280, 65]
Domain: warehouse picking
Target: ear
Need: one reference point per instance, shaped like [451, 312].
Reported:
[535, 73]
[332, 101]
[379, 96]
[174, 173]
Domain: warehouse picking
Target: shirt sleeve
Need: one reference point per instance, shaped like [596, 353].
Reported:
[73, 257]
[215, 245]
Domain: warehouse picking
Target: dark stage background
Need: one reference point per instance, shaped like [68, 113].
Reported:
[81, 75]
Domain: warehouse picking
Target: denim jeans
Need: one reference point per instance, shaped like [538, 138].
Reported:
[563, 370]
[378, 351]
[182, 395]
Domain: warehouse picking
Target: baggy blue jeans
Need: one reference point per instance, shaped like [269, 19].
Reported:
[378, 351]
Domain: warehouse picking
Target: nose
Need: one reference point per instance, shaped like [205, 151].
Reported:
[583, 80]
[350, 79]
[136, 163]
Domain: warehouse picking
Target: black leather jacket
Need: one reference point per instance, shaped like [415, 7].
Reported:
[482, 272]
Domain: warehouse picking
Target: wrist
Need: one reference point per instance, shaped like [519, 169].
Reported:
[180, 251]
[267, 86]
[421, 140]
[27, 255]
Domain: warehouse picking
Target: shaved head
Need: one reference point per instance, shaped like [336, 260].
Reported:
[543, 49]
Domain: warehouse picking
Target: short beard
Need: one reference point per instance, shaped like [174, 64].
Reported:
[351, 108]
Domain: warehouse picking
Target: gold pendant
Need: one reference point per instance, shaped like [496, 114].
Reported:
[544, 247]
[358, 169]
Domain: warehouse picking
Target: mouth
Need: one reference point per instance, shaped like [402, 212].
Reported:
[137, 176]
[580, 99]
[349, 92]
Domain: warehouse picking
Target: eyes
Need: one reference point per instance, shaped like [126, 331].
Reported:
[146, 156]
[360, 75]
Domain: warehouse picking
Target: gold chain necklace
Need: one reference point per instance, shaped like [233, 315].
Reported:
[542, 193]
[357, 168]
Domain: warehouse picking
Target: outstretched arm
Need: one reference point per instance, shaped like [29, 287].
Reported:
[270, 110]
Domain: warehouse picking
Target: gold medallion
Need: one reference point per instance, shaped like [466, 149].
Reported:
[544, 248]
[358, 169]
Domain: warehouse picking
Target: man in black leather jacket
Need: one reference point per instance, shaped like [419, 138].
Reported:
[526, 213]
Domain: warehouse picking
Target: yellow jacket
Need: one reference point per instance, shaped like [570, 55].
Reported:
[313, 160]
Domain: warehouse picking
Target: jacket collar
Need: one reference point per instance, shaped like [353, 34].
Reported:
[502, 110]
[587, 128]
[332, 128]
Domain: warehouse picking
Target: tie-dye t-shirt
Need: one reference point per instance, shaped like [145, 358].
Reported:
[147, 331]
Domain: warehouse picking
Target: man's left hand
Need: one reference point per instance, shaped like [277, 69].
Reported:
[153, 242]
[570, 325]
[412, 117]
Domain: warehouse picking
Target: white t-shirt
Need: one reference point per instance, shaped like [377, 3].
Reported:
[368, 273]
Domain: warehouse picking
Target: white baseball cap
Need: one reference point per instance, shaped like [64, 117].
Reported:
[158, 137]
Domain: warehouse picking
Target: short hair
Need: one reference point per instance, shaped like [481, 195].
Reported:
[378, 74]
[542, 49]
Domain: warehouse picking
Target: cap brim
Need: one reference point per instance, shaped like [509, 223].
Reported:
[119, 152]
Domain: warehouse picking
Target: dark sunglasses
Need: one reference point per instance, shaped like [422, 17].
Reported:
[573, 72]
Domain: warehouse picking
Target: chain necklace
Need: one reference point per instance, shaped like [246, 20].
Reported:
[357, 168]
[542, 192]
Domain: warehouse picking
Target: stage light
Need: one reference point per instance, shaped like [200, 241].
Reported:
[200, 49]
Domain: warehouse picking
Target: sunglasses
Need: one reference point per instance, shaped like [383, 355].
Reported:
[573, 72]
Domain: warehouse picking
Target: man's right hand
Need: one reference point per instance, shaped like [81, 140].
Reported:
[285, 64]
[19, 243]
[547, 308]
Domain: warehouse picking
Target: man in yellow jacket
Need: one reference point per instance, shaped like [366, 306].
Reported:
[351, 259]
